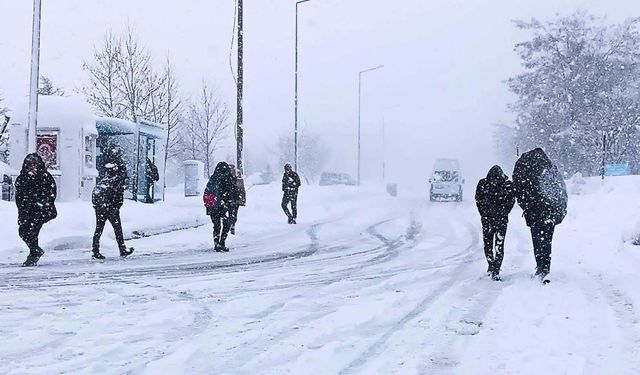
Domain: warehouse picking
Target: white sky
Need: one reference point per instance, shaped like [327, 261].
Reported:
[440, 91]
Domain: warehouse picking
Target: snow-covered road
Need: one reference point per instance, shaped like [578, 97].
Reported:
[396, 287]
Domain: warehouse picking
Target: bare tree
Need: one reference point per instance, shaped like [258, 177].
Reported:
[173, 110]
[313, 154]
[136, 80]
[205, 127]
[47, 88]
[103, 92]
[4, 134]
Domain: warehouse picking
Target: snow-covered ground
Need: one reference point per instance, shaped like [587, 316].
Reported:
[365, 284]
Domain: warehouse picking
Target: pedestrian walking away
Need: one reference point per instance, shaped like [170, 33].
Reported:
[217, 199]
[238, 198]
[542, 194]
[495, 198]
[36, 193]
[107, 199]
[151, 176]
[290, 186]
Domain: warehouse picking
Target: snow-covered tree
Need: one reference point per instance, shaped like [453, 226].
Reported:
[4, 132]
[313, 153]
[580, 84]
[103, 92]
[123, 81]
[47, 88]
[205, 127]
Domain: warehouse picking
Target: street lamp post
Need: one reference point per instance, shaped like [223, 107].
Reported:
[295, 135]
[359, 111]
[35, 72]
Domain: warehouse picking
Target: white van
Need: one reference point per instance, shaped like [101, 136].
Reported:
[446, 180]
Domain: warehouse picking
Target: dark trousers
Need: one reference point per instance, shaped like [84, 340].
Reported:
[233, 214]
[494, 231]
[150, 193]
[221, 225]
[542, 235]
[113, 216]
[290, 197]
[29, 233]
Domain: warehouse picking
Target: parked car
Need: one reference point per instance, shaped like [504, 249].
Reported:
[331, 178]
[446, 181]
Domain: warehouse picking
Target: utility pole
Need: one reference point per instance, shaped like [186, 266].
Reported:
[295, 124]
[359, 112]
[35, 74]
[239, 129]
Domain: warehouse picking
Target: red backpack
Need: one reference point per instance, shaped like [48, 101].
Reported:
[210, 200]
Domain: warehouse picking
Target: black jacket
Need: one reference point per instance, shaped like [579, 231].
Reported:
[290, 182]
[540, 189]
[35, 193]
[495, 195]
[108, 195]
[151, 172]
[222, 184]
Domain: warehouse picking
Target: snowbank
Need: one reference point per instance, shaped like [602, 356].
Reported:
[73, 228]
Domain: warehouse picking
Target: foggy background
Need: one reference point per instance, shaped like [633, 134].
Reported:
[439, 93]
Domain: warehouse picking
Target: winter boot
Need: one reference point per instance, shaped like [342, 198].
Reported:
[293, 221]
[33, 257]
[124, 252]
[31, 261]
[290, 221]
[223, 246]
[97, 255]
[495, 275]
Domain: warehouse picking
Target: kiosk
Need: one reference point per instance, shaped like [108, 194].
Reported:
[66, 141]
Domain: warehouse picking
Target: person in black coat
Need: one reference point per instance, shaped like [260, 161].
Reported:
[238, 198]
[107, 199]
[495, 198]
[290, 185]
[151, 177]
[542, 194]
[36, 193]
[217, 199]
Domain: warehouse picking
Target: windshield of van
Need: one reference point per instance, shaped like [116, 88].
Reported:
[445, 176]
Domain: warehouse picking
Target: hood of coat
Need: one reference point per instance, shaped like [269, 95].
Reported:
[496, 174]
[33, 159]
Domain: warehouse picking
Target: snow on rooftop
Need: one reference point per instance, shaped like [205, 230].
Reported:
[58, 111]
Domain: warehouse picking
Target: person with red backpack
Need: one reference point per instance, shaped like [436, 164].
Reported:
[217, 199]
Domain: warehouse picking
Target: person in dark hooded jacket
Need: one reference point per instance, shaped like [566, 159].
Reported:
[218, 196]
[542, 194]
[107, 198]
[495, 198]
[290, 185]
[35, 198]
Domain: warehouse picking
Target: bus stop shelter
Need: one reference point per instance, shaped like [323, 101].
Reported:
[137, 143]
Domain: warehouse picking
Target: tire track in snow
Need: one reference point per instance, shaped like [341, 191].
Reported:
[377, 347]
[392, 248]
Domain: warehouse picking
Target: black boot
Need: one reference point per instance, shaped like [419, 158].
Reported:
[223, 246]
[97, 255]
[33, 257]
[124, 252]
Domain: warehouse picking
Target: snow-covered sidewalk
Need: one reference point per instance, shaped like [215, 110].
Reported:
[365, 284]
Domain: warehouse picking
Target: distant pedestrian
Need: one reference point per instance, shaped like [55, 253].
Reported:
[239, 198]
[542, 194]
[217, 200]
[36, 193]
[107, 199]
[495, 198]
[151, 177]
[290, 186]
